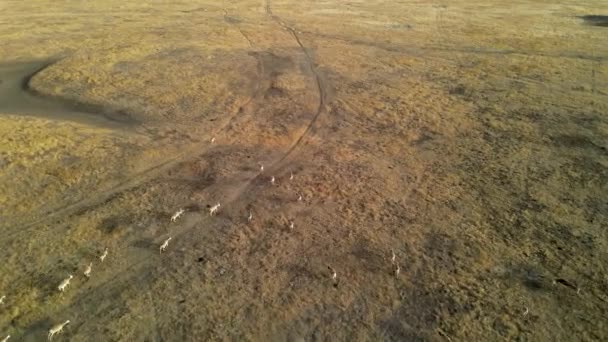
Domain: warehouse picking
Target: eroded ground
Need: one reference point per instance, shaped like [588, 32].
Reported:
[469, 137]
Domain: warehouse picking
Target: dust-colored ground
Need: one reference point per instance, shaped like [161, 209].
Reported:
[469, 137]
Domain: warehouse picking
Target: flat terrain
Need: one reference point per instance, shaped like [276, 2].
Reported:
[469, 138]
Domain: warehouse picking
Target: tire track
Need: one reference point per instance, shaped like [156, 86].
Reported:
[229, 20]
[423, 51]
[240, 191]
[267, 8]
[321, 86]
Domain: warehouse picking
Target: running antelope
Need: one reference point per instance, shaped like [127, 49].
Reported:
[87, 271]
[334, 275]
[104, 255]
[64, 284]
[57, 329]
[164, 245]
[177, 215]
[213, 210]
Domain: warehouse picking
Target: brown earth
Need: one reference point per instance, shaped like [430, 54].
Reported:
[469, 137]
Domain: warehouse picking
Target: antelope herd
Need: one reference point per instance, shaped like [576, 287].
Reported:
[213, 210]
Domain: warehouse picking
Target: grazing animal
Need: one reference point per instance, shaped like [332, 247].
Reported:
[213, 210]
[104, 255]
[177, 215]
[87, 271]
[164, 245]
[57, 329]
[64, 284]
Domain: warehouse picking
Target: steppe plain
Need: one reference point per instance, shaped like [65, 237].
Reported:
[469, 137]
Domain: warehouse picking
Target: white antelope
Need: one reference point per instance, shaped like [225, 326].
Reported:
[64, 284]
[104, 255]
[87, 271]
[334, 275]
[177, 215]
[164, 245]
[213, 210]
[397, 270]
[57, 329]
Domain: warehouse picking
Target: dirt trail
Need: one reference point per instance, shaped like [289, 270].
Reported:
[320, 82]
